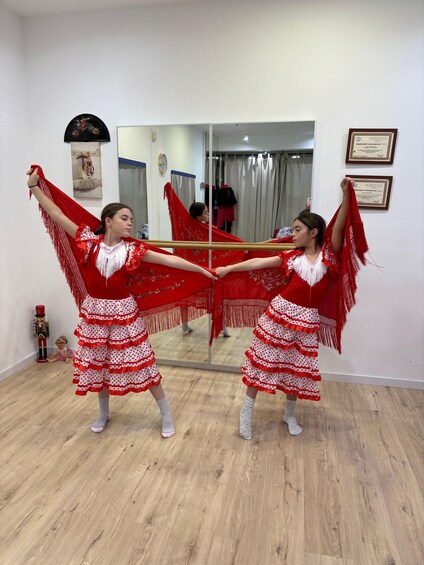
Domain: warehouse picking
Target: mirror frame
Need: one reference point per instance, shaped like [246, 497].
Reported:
[155, 143]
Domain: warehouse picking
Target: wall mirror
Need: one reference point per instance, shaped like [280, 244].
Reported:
[267, 166]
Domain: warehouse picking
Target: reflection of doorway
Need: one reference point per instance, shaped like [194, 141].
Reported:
[133, 191]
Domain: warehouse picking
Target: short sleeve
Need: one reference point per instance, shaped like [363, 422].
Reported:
[287, 259]
[85, 239]
[136, 252]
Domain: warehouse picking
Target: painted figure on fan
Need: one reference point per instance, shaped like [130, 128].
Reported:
[113, 356]
[284, 352]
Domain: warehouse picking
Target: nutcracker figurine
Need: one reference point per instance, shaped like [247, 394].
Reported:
[41, 332]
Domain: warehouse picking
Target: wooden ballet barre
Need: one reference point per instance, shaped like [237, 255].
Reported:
[221, 245]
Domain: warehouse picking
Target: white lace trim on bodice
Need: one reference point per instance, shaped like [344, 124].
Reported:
[310, 272]
[111, 259]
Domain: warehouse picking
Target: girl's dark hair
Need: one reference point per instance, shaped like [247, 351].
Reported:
[197, 209]
[312, 221]
[108, 212]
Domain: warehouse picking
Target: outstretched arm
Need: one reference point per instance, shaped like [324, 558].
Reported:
[250, 265]
[175, 262]
[48, 205]
[339, 225]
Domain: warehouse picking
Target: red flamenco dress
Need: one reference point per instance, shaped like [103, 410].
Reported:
[284, 351]
[113, 288]
[113, 346]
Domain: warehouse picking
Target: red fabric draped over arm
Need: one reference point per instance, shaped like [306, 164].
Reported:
[340, 298]
[240, 298]
[160, 291]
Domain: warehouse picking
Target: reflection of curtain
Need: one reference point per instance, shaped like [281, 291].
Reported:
[255, 183]
[270, 191]
[296, 182]
[184, 185]
[133, 190]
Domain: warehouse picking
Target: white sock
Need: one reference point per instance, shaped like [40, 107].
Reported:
[186, 328]
[290, 419]
[168, 429]
[104, 415]
[225, 332]
[246, 418]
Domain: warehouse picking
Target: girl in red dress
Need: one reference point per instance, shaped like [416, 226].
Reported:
[284, 352]
[114, 356]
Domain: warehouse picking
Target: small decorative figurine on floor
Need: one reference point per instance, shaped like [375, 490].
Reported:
[63, 353]
[41, 332]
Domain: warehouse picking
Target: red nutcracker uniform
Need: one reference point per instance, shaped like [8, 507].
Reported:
[41, 332]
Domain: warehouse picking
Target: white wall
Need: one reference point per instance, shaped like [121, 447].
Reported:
[25, 262]
[342, 64]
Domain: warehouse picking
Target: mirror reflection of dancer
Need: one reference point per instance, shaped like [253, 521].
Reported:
[284, 352]
[199, 211]
[114, 355]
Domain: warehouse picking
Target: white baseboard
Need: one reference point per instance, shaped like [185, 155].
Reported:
[334, 377]
[18, 367]
[373, 381]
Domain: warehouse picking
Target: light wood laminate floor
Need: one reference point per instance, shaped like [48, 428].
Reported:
[348, 491]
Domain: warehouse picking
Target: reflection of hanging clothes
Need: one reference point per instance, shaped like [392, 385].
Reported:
[226, 212]
[214, 211]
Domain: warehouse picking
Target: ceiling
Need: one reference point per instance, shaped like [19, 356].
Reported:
[27, 8]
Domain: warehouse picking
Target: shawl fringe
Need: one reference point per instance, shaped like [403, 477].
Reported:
[340, 298]
[157, 320]
[238, 314]
[65, 250]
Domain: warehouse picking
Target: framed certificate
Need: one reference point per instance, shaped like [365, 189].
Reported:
[371, 146]
[372, 191]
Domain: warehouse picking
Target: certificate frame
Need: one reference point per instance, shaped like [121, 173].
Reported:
[372, 191]
[371, 146]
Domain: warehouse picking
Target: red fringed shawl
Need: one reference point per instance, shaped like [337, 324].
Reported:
[160, 291]
[340, 298]
[241, 297]
[243, 303]
[235, 301]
